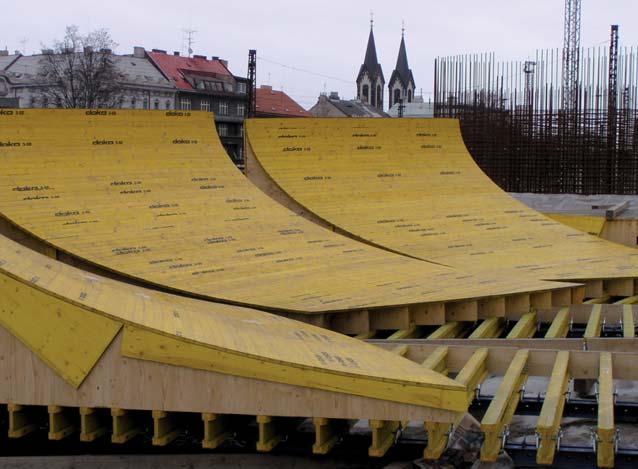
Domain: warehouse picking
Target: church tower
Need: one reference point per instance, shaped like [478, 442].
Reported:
[401, 84]
[370, 81]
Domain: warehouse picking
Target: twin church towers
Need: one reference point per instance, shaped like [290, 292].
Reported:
[371, 83]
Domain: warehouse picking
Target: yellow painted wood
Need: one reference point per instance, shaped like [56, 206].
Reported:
[338, 374]
[93, 423]
[61, 423]
[501, 410]
[237, 341]
[594, 323]
[548, 423]
[327, 434]
[383, 433]
[560, 325]
[413, 332]
[606, 430]
[270, 434]
[66, 337]
[216, 430]
[165, 429]
[411, 186]
[124, 426]
[449, 330]
[489, 329]
[589, 224]
[597, 301]
[473, 373]
[436, 361]
[21, 420]
[628, 325]
[524, 328]
[153, 196]
[630, 300]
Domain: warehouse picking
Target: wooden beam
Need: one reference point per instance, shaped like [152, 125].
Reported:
[461, 311]
[448, 330]
[351, 322]
[270, 433]
[62, 422]
[414, 332]
[383, 434]
[594, 323]
[597, 300]
[606, 430]
[630, 300]
[560, 325]
[328, 432]
[619, 287]
[390, 318]
[94, 423]
[216, 430]
[501, 410]
[491, 307]
[615, 210]
[165, 428]
[525, 327]
[490, 328]
[628, 326]
[436, 361]
[125, 426]
[431, 314]
[548, 423]
[593, 288]
[22, 420]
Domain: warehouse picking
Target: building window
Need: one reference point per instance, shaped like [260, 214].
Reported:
[222, 130]
[205, 105]
[185, 104]
[145, 103]
[58, 102]
[397, 96]
[365, 94]
[241, 109]
[156, 104]
[379, 98]
[409, 96]
[168, 104]
[241, 88]
[133, 103]
[223, 108]
[45, 102]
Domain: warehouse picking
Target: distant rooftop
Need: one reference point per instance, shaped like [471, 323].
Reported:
[277, 103]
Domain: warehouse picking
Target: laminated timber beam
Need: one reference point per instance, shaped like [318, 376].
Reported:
[328, 432]
[524, 328]
[165, 427]
[216, 430]
[605, 431]
[488, 329]
[548, 423]
[449, 330]
[630, 300]
[594, 324]
[271, 433]
[22, 420]
[125, 425]
[436, 361]
[383, 436]
[94, 423]
[560, 325]
[628, 325]
[62, 422]
[501, 410]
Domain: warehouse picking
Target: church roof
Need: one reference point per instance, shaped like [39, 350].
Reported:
[402, 69]
[371, 62]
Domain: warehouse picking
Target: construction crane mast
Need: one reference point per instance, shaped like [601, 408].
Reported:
[571, 55]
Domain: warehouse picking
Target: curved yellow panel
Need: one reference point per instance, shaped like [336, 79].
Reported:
[411, 186]
[589, 224]
[203, 335]
[152, 195]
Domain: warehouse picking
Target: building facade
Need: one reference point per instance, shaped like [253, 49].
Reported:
[204, 84]
[370, 80]
[401, 85]
[332, 106]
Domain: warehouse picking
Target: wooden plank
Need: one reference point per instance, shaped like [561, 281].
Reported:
[548, 423]
[328, 432]
[94, 423]
[383, 433]
[594, 323]
[606, 430]
[436, 361]
[413, 332]
[125, 426]
[488, 329]
[615, 210]
[560, 325]
[447, 331]
[503, 405]
[270, 433]
[216, 430]
[165, 428]
[62, 422]
[525, 327]
[628, 325]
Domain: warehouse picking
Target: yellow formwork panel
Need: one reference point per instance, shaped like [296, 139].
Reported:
[411, 186]
[589, 224]
[78, 307]
[153, 195]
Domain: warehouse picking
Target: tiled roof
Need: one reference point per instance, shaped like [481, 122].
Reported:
[278, 103]
[175, 67]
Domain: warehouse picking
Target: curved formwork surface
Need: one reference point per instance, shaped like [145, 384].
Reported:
[410, 186]
[153, 196]
[68, 318]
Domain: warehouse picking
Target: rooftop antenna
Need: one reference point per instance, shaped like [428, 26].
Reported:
[371, 19]
[23, 43]
[189, 38]
[402, 28]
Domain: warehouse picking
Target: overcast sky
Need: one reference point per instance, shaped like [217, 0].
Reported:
[327, 38]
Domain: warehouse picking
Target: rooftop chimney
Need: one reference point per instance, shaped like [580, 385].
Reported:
[159, 51]
[266, 87]
[224, 63]
[334, 95]
[176, 53]
[139, 52]
[199, 56]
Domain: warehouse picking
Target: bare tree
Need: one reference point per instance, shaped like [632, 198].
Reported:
[79, 71]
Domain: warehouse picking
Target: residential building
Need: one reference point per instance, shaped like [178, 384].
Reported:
[332, 106]
[208, 85]
[401, 85]
[272, 103]
[370, 80]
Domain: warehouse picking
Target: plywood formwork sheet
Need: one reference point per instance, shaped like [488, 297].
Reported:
[68, 319]
[153, 196]
[410, 186]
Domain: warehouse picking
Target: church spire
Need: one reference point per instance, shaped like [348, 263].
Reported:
[370, 81]
[402, 81]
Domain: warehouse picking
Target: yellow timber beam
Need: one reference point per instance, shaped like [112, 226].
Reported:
[413, 332]
[560, 325]
[628, 327]
[490, 328]
[594, 323]
[270, 433]
[328, 432]
[525, 327]
[597, 301]
[471, 375]
[501, 410]
[124, 426]
[449, 330]
[383, 434]
[216, 430]
[61, 422]
[165, 428]
[606, 431]
[630, 300]
[93, 423]
[548, 424]
[436, 361]
[21, 420]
